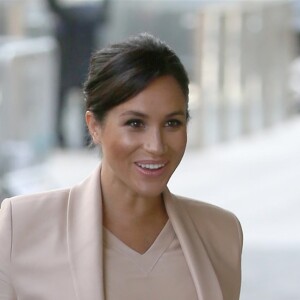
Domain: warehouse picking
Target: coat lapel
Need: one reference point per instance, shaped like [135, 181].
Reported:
[201, 268]
[84, 238]
[85, 247]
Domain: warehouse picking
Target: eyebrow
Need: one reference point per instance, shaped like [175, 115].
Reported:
[143, 115]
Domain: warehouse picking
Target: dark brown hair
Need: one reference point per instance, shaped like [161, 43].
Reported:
[122, 70]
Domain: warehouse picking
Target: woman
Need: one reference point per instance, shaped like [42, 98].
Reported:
[121, 234]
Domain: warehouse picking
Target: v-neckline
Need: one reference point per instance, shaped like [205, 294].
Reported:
[147, 260]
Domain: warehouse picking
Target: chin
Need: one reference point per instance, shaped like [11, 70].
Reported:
[150, 192]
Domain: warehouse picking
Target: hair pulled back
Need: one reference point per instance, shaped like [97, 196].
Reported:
[122, 70]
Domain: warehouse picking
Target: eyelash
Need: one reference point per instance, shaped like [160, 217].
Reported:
[137, 123]
[173, 123]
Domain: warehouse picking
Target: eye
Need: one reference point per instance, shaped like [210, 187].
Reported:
[173, 123]
[135, 123]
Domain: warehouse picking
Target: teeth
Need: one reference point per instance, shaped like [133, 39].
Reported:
[151, 166]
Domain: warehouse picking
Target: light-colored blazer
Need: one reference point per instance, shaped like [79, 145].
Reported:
[51, 245]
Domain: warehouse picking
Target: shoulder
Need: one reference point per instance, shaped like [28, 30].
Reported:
[27, 205]
[54, 200]
[35, 217]
[221, 235]
[212, 220]
[198, 207]
[37, 198]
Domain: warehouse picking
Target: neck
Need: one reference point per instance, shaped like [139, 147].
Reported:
[131, 206]
[135, 219]
[125, 206]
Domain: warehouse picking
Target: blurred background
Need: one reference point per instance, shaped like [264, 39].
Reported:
[243, 154]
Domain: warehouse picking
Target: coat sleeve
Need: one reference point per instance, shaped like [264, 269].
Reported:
[6, 288]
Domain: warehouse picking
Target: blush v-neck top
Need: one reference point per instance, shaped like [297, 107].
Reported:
[159, 273]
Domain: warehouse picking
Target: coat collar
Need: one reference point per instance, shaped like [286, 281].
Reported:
[85, 247]
[84, 238]
[200, 266]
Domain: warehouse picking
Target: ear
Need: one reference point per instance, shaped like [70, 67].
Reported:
[94, 127]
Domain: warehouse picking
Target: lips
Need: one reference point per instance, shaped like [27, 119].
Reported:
[151, 168]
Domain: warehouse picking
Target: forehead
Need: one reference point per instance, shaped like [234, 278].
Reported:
[164, 94]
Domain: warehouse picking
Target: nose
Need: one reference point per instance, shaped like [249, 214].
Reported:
[155, 142]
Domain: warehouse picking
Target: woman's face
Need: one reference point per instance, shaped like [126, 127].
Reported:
[144, 139]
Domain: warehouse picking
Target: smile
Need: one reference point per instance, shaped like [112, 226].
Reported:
[151, 166]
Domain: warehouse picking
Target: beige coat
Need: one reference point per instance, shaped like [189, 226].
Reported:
[51, 245]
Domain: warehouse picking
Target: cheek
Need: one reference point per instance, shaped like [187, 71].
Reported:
[180, 141]
[182, 146]
[177, 145]
[121, 145]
